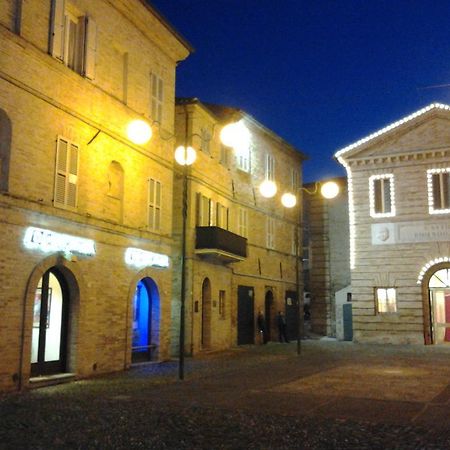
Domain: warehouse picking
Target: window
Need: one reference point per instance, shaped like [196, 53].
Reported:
[222, 297]
[243, 222]
[381, 192]
[243, 158]
[386, 301]
[438, 191]
[224, 155]
[66, 174]
[222, 216]
[206, 139]
[270, 168]
[156, 99]
[270, 232]
[154, 205]
[205, 208]
[73, 38]
[295, 179]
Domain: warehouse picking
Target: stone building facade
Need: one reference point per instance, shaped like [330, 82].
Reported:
[399, 193]
[240, 245]
[326, 263]
[86, 215]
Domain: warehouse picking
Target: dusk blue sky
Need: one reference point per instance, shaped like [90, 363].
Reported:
[320, 73]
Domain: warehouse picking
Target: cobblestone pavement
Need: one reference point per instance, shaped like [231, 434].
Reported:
[335, 395]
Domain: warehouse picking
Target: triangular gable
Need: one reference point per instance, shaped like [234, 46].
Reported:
[413, 132]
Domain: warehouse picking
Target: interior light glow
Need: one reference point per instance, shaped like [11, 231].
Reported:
[185, 156]
[351, 213]
[140, 258]
[139, 132]
[429, 264]
[288, 200]
[392, 126]
[329, 190]
[268, 188]
[431, 205]
[385, 176]
[50, 241]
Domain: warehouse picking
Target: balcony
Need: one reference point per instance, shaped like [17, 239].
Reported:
[219, 244]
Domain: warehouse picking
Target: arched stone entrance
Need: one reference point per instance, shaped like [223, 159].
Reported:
[146, 321]
[436, 304]
[50, 324]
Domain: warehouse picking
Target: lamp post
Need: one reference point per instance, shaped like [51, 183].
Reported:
[231, 136]
[328, 190]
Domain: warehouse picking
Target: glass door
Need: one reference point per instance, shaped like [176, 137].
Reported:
[48, 347]
[439, 288]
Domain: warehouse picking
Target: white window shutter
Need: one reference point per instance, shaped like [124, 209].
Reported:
[57, 29]
[61, 171]
[72, 182]
[90, 47]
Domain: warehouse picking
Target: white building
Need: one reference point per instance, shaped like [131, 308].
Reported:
[399, 202]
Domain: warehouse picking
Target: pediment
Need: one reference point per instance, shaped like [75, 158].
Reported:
[423, 134]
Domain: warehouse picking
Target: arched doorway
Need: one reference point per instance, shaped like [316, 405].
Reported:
[146, 315]
[439, 306]
[206, 313]
[268, 313]
[50, 325]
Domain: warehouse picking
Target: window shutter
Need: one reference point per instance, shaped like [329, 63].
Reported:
[446, 190]
[198, 207]
[154, 204]
[61, 171]
[157, 205]
[160, 99]
[377, 187]
[387, 195]
[66, 176]
[212, 216]
[436, 191]
[90, 47]
[72, 182]
[57, 29]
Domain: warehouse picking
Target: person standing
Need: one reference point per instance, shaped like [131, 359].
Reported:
[261, 321]
[281, 321]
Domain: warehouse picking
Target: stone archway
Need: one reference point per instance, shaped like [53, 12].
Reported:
[435, 296]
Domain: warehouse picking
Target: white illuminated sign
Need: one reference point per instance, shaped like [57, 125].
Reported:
[139, 258]
[50, 241]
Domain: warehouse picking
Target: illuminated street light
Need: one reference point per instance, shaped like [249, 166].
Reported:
[139, 132]
[234, 135]
[185, 156]
[288, 200]
[329, 190]
[268, 188]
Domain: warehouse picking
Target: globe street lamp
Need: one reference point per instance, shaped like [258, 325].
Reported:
[328, 190]
[235, 135]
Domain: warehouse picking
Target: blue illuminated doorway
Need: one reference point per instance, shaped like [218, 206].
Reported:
[146, 318]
